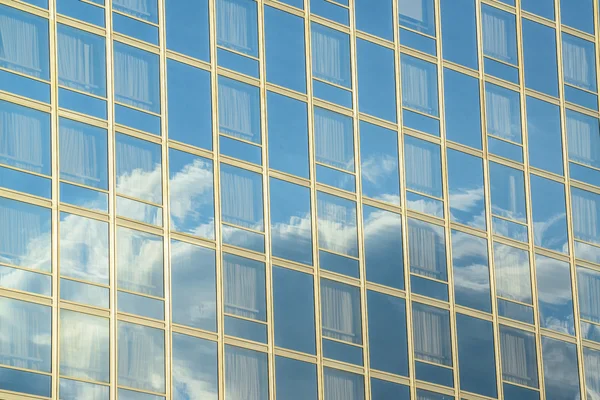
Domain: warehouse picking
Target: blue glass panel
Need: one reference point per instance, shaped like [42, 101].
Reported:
[342, 352]
[136, 76]
[335, 178]
[418, 42]
[423, 166]
[25, 382]
[578, 14]
[375, 17]
[515, 311]
[555, 298]
[508, 192]
[544, 135]
[242, 197]
[501, 70]
[23, 86]
[284, 47]
[240, 362]
[195, 373]
[81, 10]
[78, 292]
[419, 85]
[590, 331]
[187, 28]
[241, 150]
[425, 204]
[239, 110]
[509, 229]
[462, 108]
[339, 264]
[244, 287]
[189, 105]
[237, 62]
[330, 10]
[561, 374]
[471, 271]
[248, 330]
[82, 197]
[75, 390]
[543, 8]
[287, 134]
[376, 80]
[132, 395]
[241, 35]
[137, 119]
[420, 122]
[539, 49]
[513, 280]
[294, 310]
[465, 185]
[296, 380]
[140, 305]
[519, 392]
[505, 149]
[291, 233]
[581, 98]
[384, 390]
[434, 374]
[549, 214]
[418, 15]
[142, 9]
[500, 44]
[459, 32]
[340, 312]
[81, 103]
[27, 281]
[332, 94]
[38, 3]
[427, 249]
[383, 247]
[336, 219]
[429, 288]
[138, 168]
[23, 182]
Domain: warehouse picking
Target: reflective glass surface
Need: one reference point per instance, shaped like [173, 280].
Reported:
[296, 380]
[195, 373]
[471, 271]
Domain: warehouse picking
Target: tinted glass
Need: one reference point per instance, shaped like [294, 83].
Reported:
[418, 15]
[340, 311]
[241, 197]
[549, 214]
[245, 374]
[244, 287]
[382, 390]
[539, 50]
[375, 18]
[296, 380]
[342, 385]
[578, 14]
[543, 8]
[561, 375]
[239, 109]
[512, 273]
[427, 249]
[519, 359]
[419, 85]
[431, 330]
[462, 108]
[138, 168]
[471, 271]
[337, 224]
[187, 27]
[544, 135]
[136, 77]
[459, 38]
[139, 262]
[554, 294]
[465, 184]
[194, 368]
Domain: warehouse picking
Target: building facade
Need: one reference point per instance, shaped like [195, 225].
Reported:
[299, 199]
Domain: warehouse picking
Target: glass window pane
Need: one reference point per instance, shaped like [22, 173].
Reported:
[499, 34]
[291, 233]
[288, 134]
[192, 194]
[83, 154]
[187, 28]
[246, 375]
[543, 8]
[426, 395]
[375, 18]
[427, 249]
[24, 137]
[241, 197]
[513, 280]
[141, 357]
[340, 311]
[244, 287]
[554, 294]
[342, 385]
[578, 14]
[83, 248]
[296, 380]
[579, 65]
[588, 282]
[431, 331]
[131, 395]
[459, 32]
[81, 60]
[503, 113]
[508, 192]
[383, 247]
[334, 139]
[561, 375]
[592, 371]
[462, 108]
[136, 77]
[376, 80]
[330, 55]
[387, 333]
[25, 239]
[544, 135]
[193, 286]
[584, 139]
[239, 109]
[586, 215]
[25, 46]
[138, 168]
[139, 262]
[189, 104]
[549, 214]
[383, 390]
[419, 85]
[476, 359]
[194, 368]
[379, 163]
[539, 50]
[143, 9]
[423, 166]
[74, 390]
[465, 184]
[337, 224]
[237, 26]
[418, 15]
[519, 359]
[84, 346]
[284, 43]
[471, 271]
[25, 335]
[294, 310]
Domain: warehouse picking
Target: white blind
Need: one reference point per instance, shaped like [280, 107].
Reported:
[589, 295]
[132, 80]
[340, 313]
[577, 65]
[241, 289]
[518, 362]
[236, 108]
[419, 89]
[585, 216]
[432, 335]
[234, 25]
[330, 56]
[20, 45]
[239, 200]
[334, 140]
[21, 142]
[245, 375]
[584, 139]
[495, 36]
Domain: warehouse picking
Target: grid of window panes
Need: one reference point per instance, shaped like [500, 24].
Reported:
[299, 199]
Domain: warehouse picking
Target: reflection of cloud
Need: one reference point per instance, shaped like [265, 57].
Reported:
[427, 206]
[546, 232]
[376, 169]
[513, 279]
[145, 185]
[560, 368]
[554, 281]
[592, 373]
[194, 368]
[470, 257]
[469, 201]
[292, 239]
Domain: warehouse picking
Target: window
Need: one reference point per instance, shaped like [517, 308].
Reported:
[239, 110]
[540, 59]
[81, 60]
[417, 15]
[376, 80]
[427, 249]
[193, 286]
[84, 346]
[512, 273]
[246, 374]
[189, 104]
[291, 234]
[543, 8]
[244, 287]
[471, 271]
[342, 385]
[465, 184]
[335, 10]
[334, 147]
[375, 20]
[423, 175]
[141, 357]
[419, 85]
[241, 197]
[508, 201]
[579, 67]
[549, 214]
[387, 333]
[340, 311]
[586, 221]
[236, 26]
[588, 282]
[503, 113]
[459, 32]
[584, 147]
[592, 370]
[337, 224]
[383, 247]
[431, 332]
[187, 28]
[544, 135]
[462, 108]
[555, 300]
[146, 10]
[519, 360]
[284, 36]
[476, 359]
[578, 14]
[295, 379]
[382, 390]
[294, 310]
[561, 375]
[195, 373]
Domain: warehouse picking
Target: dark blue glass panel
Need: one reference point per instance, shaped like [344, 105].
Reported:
[291, 234]
[471, 271]
[434, 374]
[189, 105]
[187, 28]
[193, 284]
[459, 32]
[140, 305]
[539, 49]
[543, 8]
[137, 119]
[418, 42]
[284, 47]
[237, 62]
[465, 184]
[342, 352]
[296, 3]
[544, 135]
[295, 380]
[462, 108]
[429, 288]
[376, 80]
[241, 150]
[375, 17]
[385, 390]
[383, 247]
[387, 333]
[23, 86]
[555, 299]
[515, 311]
[339, 264]
[330, 10]
[132, 395]
[81, 10]
[578, 14]
[581, 98]
[81, 103]
[246, 371]
[195, 373]
[549, 214]
[294, 310]
[561, 374]
[248, 330]
[519, 392]
[288, 134]
[476, 359]
[25, 382]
